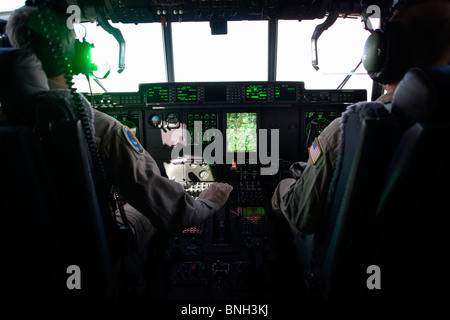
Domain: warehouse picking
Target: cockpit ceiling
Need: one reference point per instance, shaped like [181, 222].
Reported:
[140, 11]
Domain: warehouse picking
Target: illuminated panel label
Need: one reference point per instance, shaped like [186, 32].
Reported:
[253, 211]
[256, 93]
[285, 92]
[186, 94]
[157, 94]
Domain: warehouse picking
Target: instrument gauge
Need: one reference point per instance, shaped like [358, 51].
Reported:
[173, 120]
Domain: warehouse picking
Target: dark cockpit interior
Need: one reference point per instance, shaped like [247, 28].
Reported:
[58, 226]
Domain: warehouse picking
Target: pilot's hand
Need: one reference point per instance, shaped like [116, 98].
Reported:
[217, 193]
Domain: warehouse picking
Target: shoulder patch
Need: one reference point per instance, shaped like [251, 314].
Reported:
[315, 151]
[132, 140]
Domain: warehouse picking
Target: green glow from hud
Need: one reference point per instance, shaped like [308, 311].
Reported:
[256, 92]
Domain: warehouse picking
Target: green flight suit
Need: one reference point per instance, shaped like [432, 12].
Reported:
[302, 200]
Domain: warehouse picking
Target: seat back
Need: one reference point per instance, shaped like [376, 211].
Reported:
[28, 202]
[409, 235]
[369, 134]
[78, 214]
[422, 95]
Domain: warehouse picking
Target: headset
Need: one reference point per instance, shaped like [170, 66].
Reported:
[81, 60]
[386, 53]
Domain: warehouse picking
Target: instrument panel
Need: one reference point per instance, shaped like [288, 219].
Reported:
[165, 115]
[230, 132]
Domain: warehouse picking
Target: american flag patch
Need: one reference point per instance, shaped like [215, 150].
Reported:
[314, 151]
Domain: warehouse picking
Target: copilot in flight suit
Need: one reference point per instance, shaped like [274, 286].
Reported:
[152, 201]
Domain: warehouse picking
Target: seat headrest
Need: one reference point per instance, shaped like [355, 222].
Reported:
[22, 77]
[423, 95]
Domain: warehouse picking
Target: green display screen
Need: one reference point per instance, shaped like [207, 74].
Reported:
[285, 92]
[241, 132]
[157, 94]
[186, 94]
[131, 120]
[256, 92]
[319, 120]
[253, 211]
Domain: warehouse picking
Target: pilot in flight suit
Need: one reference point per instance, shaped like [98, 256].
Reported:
[302, 200]
[152, 201]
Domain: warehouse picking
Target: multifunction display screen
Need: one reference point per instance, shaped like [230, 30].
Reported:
[157, 94]
[241, 132]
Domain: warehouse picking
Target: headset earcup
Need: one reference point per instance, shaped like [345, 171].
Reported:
[374, 53]
[385, 54]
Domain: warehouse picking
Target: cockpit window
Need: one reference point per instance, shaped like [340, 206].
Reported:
[240, 55]
[339, 52]
[11, 5]
[144, 57]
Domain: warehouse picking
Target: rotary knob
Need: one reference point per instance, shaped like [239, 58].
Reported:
[203, 174]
